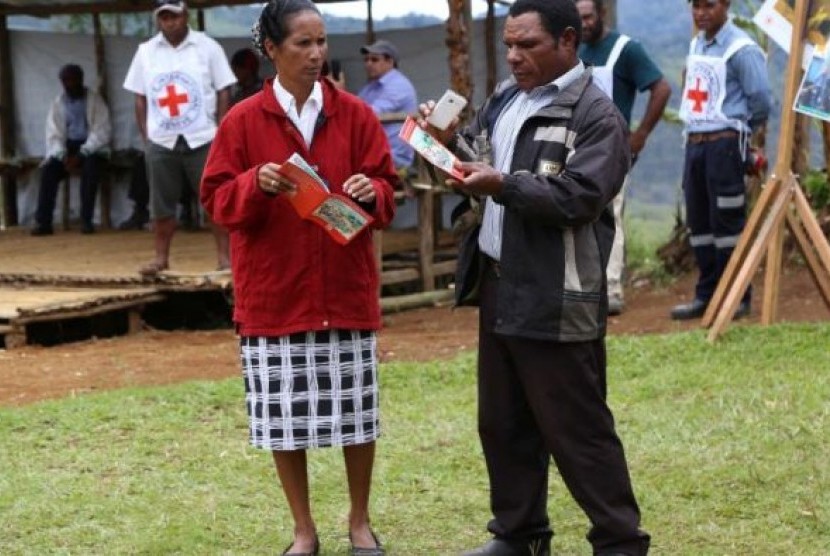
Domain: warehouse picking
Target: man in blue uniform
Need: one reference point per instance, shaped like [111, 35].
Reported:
[726, 97]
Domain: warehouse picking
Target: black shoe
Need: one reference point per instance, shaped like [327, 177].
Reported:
[41, 230]
[137, 220]
[87, 228]
[376, 551]
[502, 547]
[314, 552]
[688, 311]
[742, 311]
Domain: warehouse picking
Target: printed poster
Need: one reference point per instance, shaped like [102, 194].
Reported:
[775, 18]
[813, 97]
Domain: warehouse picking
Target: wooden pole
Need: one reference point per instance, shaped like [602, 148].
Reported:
[458, 42]
[370, 23]
[756, 252]
[490, 45]
[8, 184]
[100, 57]
[784, 165]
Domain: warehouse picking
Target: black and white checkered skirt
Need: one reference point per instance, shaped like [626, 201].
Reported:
[311, 389]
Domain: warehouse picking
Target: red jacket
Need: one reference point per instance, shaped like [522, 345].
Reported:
[288, 274]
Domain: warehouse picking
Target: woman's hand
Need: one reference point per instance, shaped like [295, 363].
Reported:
[271, 182]
[360, 187]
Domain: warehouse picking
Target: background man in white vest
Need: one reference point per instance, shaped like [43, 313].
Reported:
[621, 69]
[181, 79]
[726, 97]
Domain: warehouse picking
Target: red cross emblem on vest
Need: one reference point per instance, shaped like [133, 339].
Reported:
[173, 100]
[698, 96]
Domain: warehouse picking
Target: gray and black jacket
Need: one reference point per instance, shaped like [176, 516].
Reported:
[570, 161]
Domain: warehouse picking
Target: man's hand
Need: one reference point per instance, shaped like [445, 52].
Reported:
[480, 179]
[444, 135]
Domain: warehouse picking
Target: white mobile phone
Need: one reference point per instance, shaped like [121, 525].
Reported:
[448, 107]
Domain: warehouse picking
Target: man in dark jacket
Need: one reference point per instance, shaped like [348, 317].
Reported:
[549, 153]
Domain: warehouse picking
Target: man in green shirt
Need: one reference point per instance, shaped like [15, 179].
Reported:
[621, 68]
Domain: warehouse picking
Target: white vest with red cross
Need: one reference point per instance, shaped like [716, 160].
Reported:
[604, 75]
[175, 99]
[705, 87]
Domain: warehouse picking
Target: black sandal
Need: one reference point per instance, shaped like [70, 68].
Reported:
[376, 551]
[314, 552]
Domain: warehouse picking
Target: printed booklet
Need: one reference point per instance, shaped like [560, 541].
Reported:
[341, 217]
[430, 148]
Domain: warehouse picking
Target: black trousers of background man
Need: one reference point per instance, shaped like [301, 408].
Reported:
[139, 191]
[715, 193]
[539, 399]
[54, 171]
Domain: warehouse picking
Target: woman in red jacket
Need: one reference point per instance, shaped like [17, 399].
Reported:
[306, 307]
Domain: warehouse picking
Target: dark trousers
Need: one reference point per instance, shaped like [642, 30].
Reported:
[713, 185]
[139, 191]
[50, 178]
[539, 399]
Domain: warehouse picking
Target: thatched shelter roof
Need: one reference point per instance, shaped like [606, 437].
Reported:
[57, 7]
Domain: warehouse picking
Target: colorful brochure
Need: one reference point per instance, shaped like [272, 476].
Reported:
[430, 148]
[341, 217]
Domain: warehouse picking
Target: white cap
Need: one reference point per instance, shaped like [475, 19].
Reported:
[174, 6]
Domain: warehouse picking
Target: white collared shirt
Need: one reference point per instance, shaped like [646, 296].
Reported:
[306, 119]
[523, 105]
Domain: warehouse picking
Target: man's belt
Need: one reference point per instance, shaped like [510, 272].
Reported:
[695, 138]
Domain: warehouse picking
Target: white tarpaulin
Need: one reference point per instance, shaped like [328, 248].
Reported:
[37, 58]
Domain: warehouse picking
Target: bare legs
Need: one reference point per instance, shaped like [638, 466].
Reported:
[165, 228]
[223, 250]
[359, 460]
[293, 474]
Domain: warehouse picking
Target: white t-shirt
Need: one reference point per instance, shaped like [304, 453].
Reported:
[180, 84]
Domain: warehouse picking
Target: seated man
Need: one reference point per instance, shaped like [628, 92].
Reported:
[77, 137]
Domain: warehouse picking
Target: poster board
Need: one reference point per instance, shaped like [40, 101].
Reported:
[813, 97]
[775, 18]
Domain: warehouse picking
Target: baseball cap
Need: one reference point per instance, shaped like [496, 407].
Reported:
[381, 47]
[175, 6]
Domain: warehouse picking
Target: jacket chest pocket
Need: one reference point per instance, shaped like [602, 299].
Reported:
[554, 144]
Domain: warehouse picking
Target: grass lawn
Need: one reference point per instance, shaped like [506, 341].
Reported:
[728, 446]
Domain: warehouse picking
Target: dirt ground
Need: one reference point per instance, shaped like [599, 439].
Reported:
[153, 357]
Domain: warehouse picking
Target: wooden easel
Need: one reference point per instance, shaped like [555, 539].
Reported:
[781, 200]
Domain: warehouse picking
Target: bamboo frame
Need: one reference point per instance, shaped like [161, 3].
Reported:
[781, 201]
